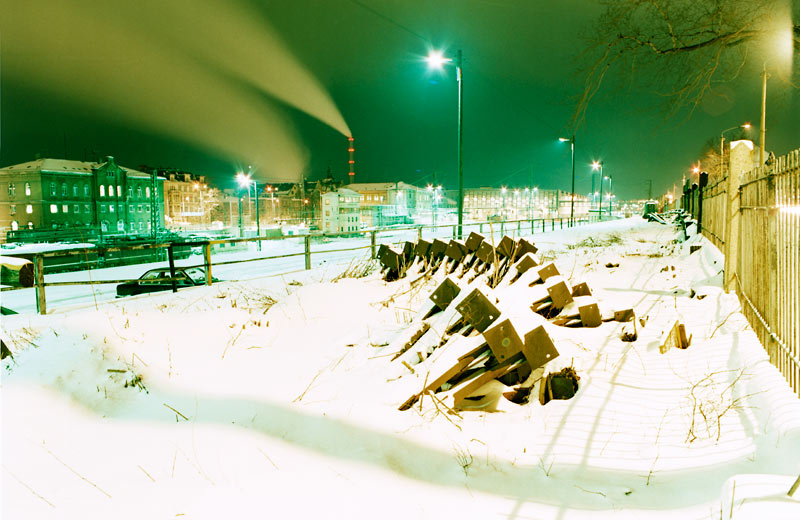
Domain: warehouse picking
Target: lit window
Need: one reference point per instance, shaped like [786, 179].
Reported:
[53, 208]
[85, 190]
[12, 190]
[13, 209]
[111, 208]
[28, 192]
[14, 225]
[74, 190]
[52, 188]
[147, 192]
[102, 191]
[64, 189]
[30, 225]
[110, 190]
[119, 191]
[65, 208]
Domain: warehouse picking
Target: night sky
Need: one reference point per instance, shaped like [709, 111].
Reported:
[212, 87]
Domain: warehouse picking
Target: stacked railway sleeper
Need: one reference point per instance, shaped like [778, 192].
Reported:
[490, 329]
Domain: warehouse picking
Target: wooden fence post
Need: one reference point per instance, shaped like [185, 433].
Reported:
[308, 251]
[38, 271]
[207, 261]
[732, 222]
[372, 243]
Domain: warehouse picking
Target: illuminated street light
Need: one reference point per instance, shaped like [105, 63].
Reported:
[437, 60]
[571, 141]
[245, 181]
[746, 126]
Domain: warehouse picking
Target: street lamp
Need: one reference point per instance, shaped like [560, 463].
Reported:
[746, 126]
[571, 141]
[436, 60]
[245, 181]
[598, 165]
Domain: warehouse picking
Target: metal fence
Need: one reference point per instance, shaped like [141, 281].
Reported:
[376, 238]
[754, 218]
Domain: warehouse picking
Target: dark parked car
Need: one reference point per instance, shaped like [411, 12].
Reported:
[156, 280]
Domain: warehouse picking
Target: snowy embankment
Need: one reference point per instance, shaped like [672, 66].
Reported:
[277, 397]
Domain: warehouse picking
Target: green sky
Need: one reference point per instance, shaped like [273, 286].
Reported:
[214, 86]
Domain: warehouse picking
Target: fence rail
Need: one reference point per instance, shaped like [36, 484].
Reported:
[760, 216]
[515, 227]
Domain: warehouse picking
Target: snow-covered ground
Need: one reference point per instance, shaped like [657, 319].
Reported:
[276, 397]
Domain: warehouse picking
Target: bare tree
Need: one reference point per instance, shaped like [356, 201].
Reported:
[680, 49]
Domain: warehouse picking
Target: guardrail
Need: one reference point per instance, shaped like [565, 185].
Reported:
[517, 227]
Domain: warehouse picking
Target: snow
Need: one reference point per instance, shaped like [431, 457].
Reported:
[276, 396]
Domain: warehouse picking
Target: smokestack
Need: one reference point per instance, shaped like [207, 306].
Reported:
[351, 175]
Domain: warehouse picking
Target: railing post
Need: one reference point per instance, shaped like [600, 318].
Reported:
[455, 233]
[207, 261]
[38, 271]
[308, 251]
[171, 256]
[372, 243]
[419, 233]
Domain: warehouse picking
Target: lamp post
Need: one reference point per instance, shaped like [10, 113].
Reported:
[598, 165]
[571, 141]
[245, 181]
[436, 60]
[746, 126]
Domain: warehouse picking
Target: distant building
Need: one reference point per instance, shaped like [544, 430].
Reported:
[340, 211]
[387, 203]
[86, 197]
[483, 204]
[188, 200]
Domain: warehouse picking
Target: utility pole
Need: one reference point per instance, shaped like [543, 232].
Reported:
[460, 204]
[258, 222]
[763, 132]
[649, 189]
[241, 233]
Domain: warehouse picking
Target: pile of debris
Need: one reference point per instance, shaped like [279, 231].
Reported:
[486, 330]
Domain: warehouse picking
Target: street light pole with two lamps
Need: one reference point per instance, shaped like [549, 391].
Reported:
[598, 165]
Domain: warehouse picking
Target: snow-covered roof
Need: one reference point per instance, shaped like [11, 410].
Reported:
[382, 186]
[62, 165]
